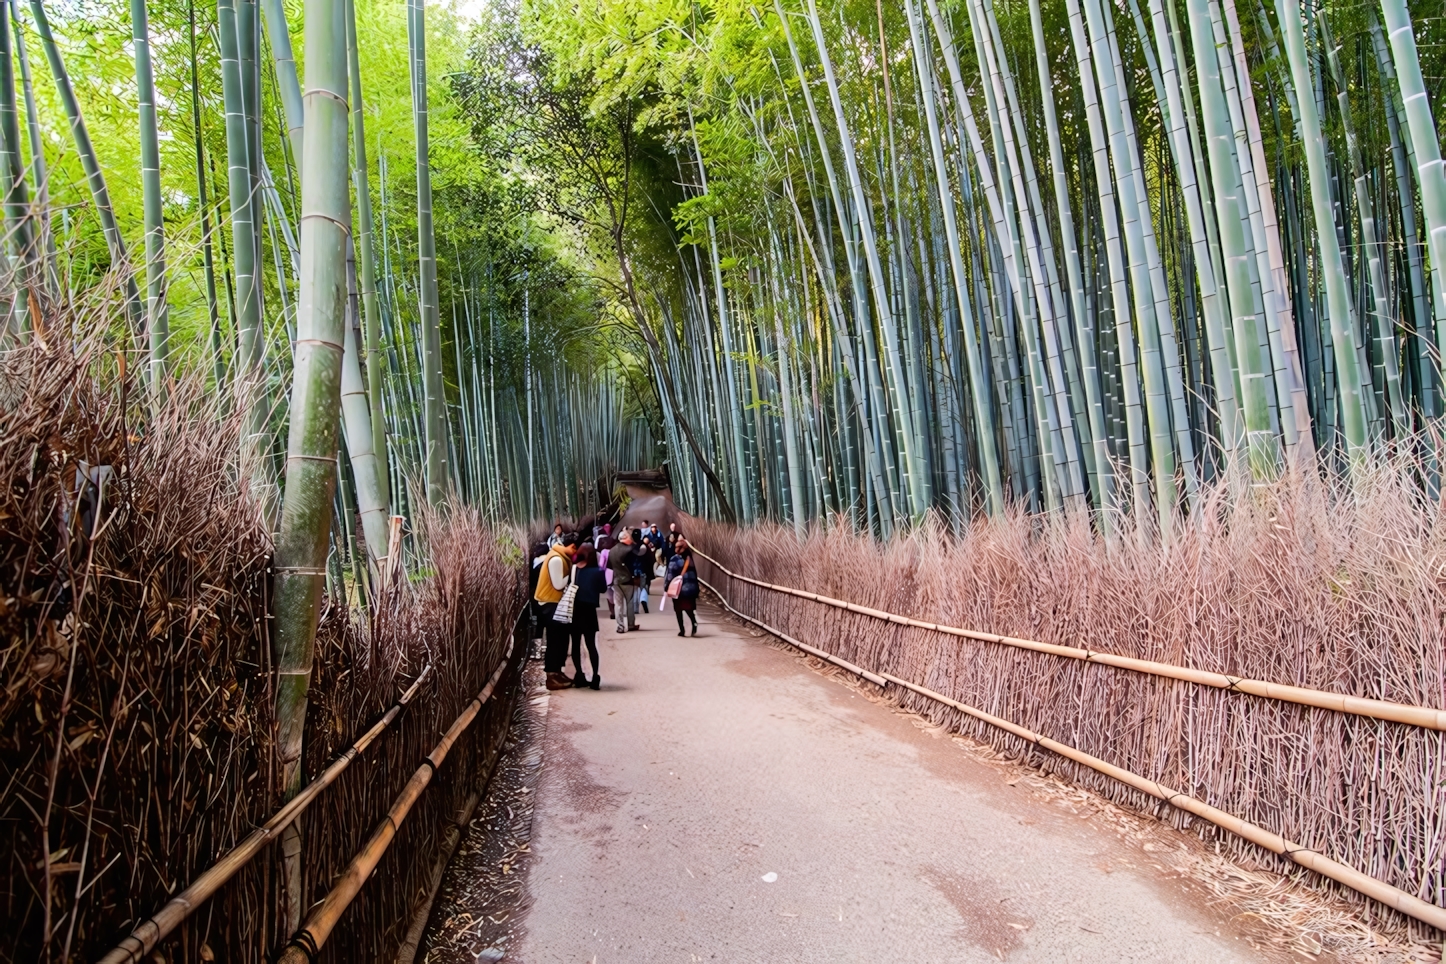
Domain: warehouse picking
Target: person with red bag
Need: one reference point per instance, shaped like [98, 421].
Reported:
[683, 584]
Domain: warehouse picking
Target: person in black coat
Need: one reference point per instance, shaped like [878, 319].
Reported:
[535, 626]
[591, 583]
[687, 601]
[642, 559]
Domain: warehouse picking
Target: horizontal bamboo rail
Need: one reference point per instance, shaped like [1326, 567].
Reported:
[1422, 716]
[1407, 904]
[308, 942]
[812, 651]
[1379, 890]
[147, 935]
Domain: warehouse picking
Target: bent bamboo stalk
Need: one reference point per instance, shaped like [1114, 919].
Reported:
[1422, 716]
[837, 661]
[150, 933]
[323, 920]
[1379, 890]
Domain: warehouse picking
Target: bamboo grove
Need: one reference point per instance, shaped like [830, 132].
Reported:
[173, 188]
[273, 264]
[939, 255]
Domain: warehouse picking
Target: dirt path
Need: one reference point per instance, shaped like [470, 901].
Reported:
[718, 800]
[650, 505]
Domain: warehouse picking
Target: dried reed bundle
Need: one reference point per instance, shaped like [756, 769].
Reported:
[460, 621]
[134, 723]
[1304, 583]
[136, 743]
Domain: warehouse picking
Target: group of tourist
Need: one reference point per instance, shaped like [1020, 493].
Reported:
[571, 576]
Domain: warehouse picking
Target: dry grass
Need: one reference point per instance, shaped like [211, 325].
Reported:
[1275, 910]
[136, 741]
[1302, 583]
[460, 622]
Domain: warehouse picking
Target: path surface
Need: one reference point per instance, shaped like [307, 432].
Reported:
[704, 766]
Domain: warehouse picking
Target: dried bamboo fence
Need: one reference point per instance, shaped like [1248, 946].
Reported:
[135, 735]
[1299, 587]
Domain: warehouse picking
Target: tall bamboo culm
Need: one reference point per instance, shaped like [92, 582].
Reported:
[303, 538]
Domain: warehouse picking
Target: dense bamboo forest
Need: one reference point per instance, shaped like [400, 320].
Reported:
[863, 270]
[944, 257]
[861, 262]
[462, 312]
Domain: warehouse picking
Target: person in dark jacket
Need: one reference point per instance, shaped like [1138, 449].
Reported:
[591, 583]
[539, 555]
[625, 584]
[643, 563]
[687, 602]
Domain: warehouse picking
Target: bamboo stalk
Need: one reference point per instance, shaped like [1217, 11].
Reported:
[1421, 127]
[38, 167]
[323, 920]
[360, 435]
[90, 163]
[366, 257]
[277, 32]
[1338, 301]
[247, 367]
[306, 511]
[19, 228]
[433, 390]
[158, 326]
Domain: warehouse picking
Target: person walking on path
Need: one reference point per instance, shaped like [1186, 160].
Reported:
[682, 570]
[551, 581]
[587, 575]
[556, 536]
[604, 558]
[625, 584]
[643, 563]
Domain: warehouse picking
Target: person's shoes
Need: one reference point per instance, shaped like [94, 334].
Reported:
[580, 680]
[596, 683]
[681, 633]
[556, 681]
[695, 630]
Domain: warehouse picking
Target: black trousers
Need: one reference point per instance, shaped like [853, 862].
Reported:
[555, 655]
[584, 630]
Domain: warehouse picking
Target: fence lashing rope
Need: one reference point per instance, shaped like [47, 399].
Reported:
[1422, 716]
[1379, 890]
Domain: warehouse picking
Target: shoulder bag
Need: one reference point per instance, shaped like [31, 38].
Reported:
[563, 613]
[675, 585]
